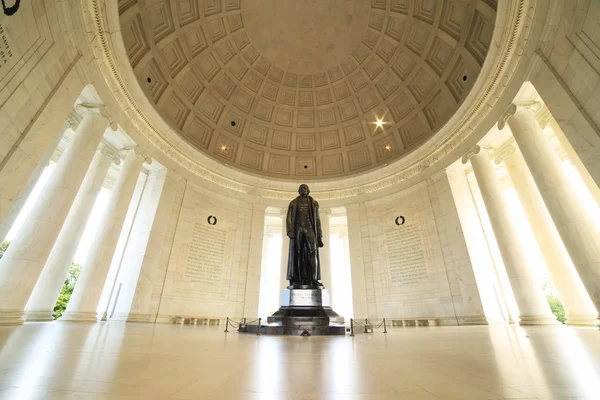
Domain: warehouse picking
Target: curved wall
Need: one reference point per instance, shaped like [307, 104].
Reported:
[69, 44]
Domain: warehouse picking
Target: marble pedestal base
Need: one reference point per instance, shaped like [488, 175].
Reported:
[80, 317]
[306, 309]
[11, 318]
[38, 316]
[583, 321]
[538, 320]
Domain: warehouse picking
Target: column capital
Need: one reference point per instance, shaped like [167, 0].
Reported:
[259, 207]
[513, 108]
[504, 152]
[111, 152]
[73, 119]
[83, 108]
[352, 207]
[470, 153]
[142, 153]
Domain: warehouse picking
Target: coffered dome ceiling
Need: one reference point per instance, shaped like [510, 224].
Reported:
[293, 88]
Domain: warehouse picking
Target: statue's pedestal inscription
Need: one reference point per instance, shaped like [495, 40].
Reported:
[305, 297]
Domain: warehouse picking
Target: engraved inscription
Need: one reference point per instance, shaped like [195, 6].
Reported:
[406, 254]
[303, 295]
[206, 256]
[5, 49]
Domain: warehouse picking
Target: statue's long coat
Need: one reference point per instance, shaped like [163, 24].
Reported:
[313, 206]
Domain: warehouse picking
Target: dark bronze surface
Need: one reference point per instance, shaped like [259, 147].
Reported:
[306, 306]
[303, 227]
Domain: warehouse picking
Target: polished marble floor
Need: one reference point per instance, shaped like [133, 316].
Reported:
[137, 361]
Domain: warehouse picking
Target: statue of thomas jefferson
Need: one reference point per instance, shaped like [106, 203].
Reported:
[303, 227]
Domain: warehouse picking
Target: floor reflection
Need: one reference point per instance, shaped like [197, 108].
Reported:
[140, 361]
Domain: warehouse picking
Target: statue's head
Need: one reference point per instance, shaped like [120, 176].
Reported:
[303, 190]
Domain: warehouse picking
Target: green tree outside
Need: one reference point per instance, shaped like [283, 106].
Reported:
[555, 304]
[67, 290]
[4, 247]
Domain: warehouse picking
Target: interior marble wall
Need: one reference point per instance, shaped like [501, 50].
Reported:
[568, 78]
[439, 282]
[178, 186]
[47, 72]
[138, 237]
[190, 292]
[40, 80]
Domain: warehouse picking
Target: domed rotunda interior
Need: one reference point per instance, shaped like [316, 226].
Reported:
[299, 199]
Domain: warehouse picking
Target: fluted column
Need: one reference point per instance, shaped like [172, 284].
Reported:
[26, 256]
[357, 267]
[157, 246]
[257, 232]
[21, 199]
[325, 251]
[88, 289]
[285, 249]
[532, 304]
[578, 307]
[43, 298]
[579, 232]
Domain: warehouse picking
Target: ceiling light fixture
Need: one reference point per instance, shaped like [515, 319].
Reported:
[379, 123]
[223, 147]
[388, 147]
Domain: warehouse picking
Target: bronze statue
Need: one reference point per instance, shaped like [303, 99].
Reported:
[303, 227]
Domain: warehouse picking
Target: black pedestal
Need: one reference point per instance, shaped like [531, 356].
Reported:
[305, 309]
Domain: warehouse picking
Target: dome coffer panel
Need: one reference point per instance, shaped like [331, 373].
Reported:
[278, 88]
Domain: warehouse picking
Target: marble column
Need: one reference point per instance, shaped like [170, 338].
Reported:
[579, 232]
[533, 306]
[578, 307]
[264, 273]
[257, 233]
[88, 289]
[24, 194]
[26, 256]
[285, 248]
[43, 298]
[357, 267]
[157, 245]
[587, 178]
[325, 251]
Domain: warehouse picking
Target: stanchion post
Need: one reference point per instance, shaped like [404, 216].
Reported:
[384, 327]
[227, 325]
[366, 323]
[351, 327]
[259, 323]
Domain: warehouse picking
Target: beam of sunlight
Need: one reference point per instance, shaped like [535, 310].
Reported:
[33, 196]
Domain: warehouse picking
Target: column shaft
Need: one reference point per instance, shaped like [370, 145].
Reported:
[325, 251]
[257, 232]
[24, 194]
[46, 291]
[357, 267]
[532, 304]
[285, 248]
[141, 304]
[84, 301]
[24, 260]
[579, 232]
[578, 307]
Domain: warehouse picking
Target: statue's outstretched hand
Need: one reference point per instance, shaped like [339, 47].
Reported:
[320, 243]
[290, 234]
